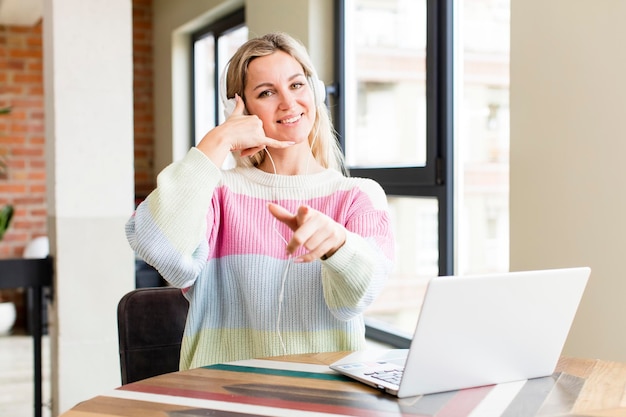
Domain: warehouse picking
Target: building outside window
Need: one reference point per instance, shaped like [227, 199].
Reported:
[387, 127]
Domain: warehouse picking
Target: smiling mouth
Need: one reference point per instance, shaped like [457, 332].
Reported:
[290, 120]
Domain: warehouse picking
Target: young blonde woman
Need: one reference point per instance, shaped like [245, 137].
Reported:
[283, 253]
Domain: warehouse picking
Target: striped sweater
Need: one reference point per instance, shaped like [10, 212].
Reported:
[209, 232]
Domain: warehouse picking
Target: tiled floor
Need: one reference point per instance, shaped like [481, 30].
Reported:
[16, 376]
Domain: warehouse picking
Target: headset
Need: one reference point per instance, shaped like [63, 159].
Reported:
[317, 85]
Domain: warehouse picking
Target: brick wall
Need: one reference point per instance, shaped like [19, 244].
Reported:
[22, 135]
[22, 138]
[22, 132]
[143, 105]
[23, 183]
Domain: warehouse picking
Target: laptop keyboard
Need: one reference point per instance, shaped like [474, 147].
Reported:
[392, 376]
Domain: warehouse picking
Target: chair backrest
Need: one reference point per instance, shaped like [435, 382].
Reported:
[150, 324]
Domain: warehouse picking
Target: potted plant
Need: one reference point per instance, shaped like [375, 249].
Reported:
[6, 214]
[7, 308]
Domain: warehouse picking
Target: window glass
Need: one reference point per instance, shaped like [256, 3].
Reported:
[415, 227]
[482, 136]
[385, 83]
[204, 86]
[480, 140]
[205, 91]
[227, 46]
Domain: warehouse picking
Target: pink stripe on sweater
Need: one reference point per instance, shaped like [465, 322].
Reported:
[247, 227]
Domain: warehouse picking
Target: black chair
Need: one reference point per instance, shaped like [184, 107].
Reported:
[147, 276]
[150, 324]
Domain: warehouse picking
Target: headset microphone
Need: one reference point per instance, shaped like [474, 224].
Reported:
[228, 103]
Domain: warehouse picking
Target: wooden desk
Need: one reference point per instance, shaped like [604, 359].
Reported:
[302, 385]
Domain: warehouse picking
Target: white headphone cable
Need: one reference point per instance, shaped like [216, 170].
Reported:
[281, 295]
[290, 259]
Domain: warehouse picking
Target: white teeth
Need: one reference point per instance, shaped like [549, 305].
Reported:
[291, 120]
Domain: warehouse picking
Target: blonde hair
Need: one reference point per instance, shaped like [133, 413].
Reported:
[322, 138]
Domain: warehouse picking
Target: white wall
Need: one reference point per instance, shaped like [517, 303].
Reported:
[568, 142]
[310, 21]
[90, 190]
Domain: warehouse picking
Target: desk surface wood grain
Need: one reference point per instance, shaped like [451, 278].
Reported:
[303, 385]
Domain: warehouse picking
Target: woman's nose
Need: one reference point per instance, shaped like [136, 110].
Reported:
[287, 100]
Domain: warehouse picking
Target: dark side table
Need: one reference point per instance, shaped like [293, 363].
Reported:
[35, 275]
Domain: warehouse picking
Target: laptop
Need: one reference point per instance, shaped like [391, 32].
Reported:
[478, 330]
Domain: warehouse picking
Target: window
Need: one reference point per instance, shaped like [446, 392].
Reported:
[482, 135]
[212, 47]
[422, 108]
[386, 54]
[395, 122]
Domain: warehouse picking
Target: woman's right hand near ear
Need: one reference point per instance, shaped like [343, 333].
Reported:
[239, 133]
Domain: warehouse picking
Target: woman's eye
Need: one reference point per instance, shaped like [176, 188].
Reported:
[265, 93]
[295, 86]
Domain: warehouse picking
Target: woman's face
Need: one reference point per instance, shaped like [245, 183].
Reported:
[278, 93]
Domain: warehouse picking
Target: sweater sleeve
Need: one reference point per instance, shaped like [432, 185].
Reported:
[168, 229]
[354, 276]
